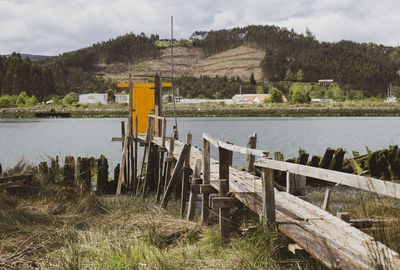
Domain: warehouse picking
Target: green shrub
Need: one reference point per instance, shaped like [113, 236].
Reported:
[275, 95]
[6, 101]
[22, 97]
[31, 101]
[299, 96]
[71, 98]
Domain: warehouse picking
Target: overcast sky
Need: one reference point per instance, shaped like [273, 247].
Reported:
[51, 27]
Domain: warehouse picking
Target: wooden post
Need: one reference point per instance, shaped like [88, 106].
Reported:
[43, 171]
[102, 174]
[122, 134]
[175, 174]
[135, 179]
[83, 175]
[187, 171]
[268, 195]
[69, 171]
[296, 184]
[224, 218]
[327, 199]
[251, 143]
[1, 170]
[147, 145]
[123, 161]
[169, 161]
[161, 179]
[194, 189]
[206, 179]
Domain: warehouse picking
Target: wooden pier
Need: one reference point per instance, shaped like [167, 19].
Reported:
[170, 166]
[332, 241]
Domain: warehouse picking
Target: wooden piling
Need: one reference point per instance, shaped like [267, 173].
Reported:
[268, 195]
[102, 174]
[187, 171]
[206, 180]
[1, 169]
[123, 162]
[251, 143]
[83, 175]
[194, 189]
[69, 171]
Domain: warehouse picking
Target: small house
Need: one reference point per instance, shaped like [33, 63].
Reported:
[93, 98]
[325, 82]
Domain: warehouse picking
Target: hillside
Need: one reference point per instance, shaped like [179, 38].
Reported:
[271, 53]
[237, 62]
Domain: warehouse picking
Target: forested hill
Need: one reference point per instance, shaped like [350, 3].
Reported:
[367, 67]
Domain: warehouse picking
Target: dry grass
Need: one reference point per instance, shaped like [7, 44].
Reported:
[51, 227]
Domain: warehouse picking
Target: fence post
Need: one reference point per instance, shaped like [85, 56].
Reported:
[296, 184]
[251, 143]
[224, 163]
[206, 179]
[268, 195]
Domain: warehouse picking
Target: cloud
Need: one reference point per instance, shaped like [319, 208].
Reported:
[52, 27]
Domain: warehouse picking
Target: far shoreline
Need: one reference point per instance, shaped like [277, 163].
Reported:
[215, 112]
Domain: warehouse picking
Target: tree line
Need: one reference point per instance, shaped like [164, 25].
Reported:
[367, 67]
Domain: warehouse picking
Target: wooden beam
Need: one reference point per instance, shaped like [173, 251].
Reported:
[222, 202]
[235, 148]
[365, 183]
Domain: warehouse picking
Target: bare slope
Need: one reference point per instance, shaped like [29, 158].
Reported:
[241, 61]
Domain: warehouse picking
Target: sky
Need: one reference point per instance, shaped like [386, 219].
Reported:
[51, 27]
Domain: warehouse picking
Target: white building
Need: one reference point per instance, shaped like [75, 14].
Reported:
[122, 98]
[93, 98]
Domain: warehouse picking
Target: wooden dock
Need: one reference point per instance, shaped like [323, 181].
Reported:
[332, 241]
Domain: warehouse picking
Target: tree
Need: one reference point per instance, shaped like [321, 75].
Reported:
[252, 79]
[298, 96]
[22, 97]
[300, 75]
[71, 98]
[289, 75]
[275, 95]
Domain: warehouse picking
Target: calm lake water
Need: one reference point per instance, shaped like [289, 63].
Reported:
[37, 139]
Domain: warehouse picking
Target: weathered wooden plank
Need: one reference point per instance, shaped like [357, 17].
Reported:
[356, 181]
[235, 148]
